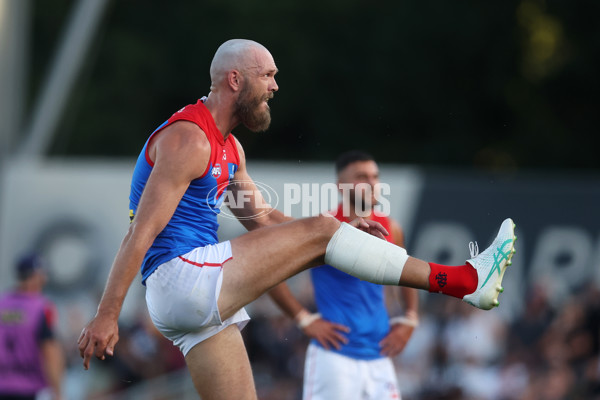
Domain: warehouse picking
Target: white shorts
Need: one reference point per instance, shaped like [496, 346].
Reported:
[182, 295]
[332, 376]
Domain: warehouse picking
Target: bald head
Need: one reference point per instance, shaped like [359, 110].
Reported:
[243, 81]
[235, 54]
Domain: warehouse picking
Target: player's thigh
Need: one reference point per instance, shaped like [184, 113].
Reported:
[220, 368]
[270, 255]
[182, 296]
[331, 376]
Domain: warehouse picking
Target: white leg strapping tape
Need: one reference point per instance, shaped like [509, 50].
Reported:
[365, 256]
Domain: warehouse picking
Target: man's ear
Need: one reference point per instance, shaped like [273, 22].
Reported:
[234, 79]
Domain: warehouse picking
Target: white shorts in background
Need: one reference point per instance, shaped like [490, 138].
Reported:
[182, 295]
[332, 376]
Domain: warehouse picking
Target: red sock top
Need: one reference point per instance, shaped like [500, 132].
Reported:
[456, 281]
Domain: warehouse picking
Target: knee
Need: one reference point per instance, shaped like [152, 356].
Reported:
[325, 225]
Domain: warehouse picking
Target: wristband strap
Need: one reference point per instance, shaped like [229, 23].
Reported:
[405, 321]
[305, 318]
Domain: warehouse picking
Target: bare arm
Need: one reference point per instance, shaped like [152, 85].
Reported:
[285, 300]
[329, 334]
[180, 154]
[253, 212]
[53, 365]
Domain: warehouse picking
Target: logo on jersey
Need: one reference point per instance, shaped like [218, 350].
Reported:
[11, 317]
[224, 155]
[216, 171]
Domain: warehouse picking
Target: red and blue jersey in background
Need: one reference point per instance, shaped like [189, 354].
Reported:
[360, 305]
[194, 223]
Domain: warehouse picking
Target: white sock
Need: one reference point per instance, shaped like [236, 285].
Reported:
[365, 256]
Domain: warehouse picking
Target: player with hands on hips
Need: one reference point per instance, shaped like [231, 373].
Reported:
[352, 331]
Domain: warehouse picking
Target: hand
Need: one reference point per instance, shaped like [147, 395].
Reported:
[98, 338]
[371, 227]
[396, 340]
[328, 334]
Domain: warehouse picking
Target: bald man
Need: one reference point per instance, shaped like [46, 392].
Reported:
[196, 286]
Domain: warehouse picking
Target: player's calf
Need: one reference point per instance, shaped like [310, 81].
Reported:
[478, 282]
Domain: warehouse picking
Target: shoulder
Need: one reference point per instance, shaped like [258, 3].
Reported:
[240, 151]
[50, 313]
[42, 302]
[239, 147]
[181, 137]
[394, 224]
[396, 231]
[182, 145]
[183, 132]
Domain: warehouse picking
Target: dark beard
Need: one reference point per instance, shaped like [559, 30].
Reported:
[361, 206]
[247, 110]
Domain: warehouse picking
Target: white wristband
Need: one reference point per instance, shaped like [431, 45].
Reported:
[404, 321]
[304, 318]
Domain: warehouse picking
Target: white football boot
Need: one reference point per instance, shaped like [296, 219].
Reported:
[490, 266]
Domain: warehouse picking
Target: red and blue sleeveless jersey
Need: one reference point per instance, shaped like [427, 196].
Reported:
[358, 304]
[194, 222]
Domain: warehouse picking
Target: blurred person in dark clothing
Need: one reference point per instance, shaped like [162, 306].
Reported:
[31, 358]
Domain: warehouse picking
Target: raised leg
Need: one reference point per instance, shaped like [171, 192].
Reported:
[267, 256]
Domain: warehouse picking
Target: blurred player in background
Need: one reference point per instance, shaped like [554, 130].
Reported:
[196, 286]
[31, 358]
[353, 337]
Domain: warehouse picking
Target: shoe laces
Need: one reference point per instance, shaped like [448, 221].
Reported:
[473, 249]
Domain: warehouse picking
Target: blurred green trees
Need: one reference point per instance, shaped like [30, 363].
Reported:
[495, 84]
